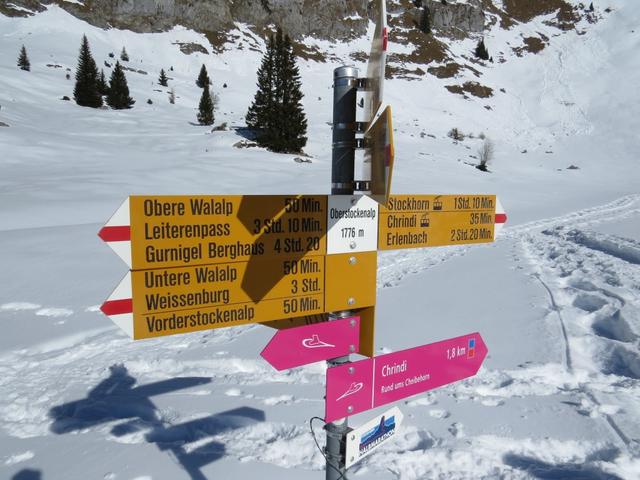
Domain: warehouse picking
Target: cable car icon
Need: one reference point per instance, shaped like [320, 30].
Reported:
[424, 221]
[437, 205]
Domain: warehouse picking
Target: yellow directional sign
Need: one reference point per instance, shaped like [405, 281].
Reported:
[416, 221]
[203, 262]
[177, 231]
[379, 156]
[168, 301]
[166, 290]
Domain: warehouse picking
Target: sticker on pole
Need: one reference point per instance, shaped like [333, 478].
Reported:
[367, 438]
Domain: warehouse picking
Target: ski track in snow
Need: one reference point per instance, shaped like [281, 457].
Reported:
[593, 284]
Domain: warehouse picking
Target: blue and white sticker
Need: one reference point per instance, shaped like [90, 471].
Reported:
[367, 438]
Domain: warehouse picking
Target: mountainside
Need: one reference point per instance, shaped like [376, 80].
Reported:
[556, 297]
[323, 19]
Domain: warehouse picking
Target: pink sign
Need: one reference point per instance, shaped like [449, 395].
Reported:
[312, 343]
[359, 386]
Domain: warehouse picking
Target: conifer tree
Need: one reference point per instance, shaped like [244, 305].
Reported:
[260, 112]
[23, 60]
[118, 96]
[162, 79]
[203, 79]
[103, 88]
[481, 50]
[425, 20]
[292, 121]
[85, 92]
[276, 111]
[124, 56]
[205, 108]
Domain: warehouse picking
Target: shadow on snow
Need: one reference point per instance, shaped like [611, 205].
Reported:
[27, 474]
[117, 397]
[564, 471]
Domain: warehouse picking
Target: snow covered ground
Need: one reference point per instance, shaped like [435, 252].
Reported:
[556, 298]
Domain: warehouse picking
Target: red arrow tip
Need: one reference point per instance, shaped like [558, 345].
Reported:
[115, 234]
[501, 218]
[117, 307]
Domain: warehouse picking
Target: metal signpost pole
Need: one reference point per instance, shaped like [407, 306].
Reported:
[345, 87]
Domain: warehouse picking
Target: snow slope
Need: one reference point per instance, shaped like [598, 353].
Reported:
[557, 298]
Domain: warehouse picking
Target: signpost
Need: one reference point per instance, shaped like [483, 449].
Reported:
[366, 439]
[305, 265]
[373, 382]
[298, 346]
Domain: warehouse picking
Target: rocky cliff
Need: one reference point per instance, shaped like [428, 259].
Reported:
[338, 20]
[468, 17]
[334, 19]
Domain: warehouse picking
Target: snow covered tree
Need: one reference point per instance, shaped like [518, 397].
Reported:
[103, 88]
[85, 92]
[162, 79]
[118, 96]
[205, 108]
[276, 111]
[23, 60]
[481, 50]
[124, 56]
[172, 97]
[203, 79]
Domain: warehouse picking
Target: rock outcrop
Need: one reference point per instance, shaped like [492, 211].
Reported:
[463, 16]
[332, 19]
